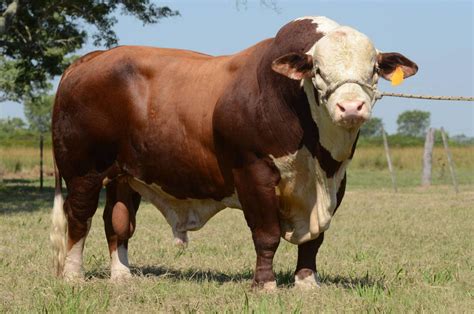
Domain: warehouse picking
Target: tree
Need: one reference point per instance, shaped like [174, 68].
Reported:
[413, 123]
[37, 37]
[372, 128]
[38, 112]
[11, 125]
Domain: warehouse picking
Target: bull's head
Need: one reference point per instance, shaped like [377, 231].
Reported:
[344, 68]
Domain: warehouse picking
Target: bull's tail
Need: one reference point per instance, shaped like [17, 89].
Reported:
[58, 235]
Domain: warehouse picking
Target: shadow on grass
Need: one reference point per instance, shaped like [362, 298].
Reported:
[192, 274]
[196, 275]
[287, 278]
[353, 282]
[24, 195]
[284, 278]
[20, 195]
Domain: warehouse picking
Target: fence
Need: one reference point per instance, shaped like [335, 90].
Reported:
[427, 159]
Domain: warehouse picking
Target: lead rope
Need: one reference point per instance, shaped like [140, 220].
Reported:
[379, 95]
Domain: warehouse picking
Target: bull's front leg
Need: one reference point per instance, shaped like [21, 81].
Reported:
[305, 274]
[255, 183]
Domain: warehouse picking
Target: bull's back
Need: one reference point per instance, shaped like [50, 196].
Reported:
[148, 109]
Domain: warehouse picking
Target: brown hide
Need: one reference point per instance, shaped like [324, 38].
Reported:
[152, 109]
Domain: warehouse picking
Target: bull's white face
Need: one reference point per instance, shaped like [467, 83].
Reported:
[343, 66]
[345, 76]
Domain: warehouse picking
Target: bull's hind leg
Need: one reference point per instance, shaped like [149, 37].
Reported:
[305, 274]
[119, 221]
[80, 206]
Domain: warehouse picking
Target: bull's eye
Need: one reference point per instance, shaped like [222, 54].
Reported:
[376, 69]
[375, 75]
[319, 81]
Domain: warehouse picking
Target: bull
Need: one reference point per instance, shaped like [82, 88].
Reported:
[269, 130]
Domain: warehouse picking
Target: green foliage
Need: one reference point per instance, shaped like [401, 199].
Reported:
[11, 125]
[413, 123]
[14, 132]
[8, 74]
[372, 128]
[462, 139]
[38, 37]
[38, 112]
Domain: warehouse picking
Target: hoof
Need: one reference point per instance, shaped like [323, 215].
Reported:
[73, 276]
[307, 281]
[118, 275]
[268, 286]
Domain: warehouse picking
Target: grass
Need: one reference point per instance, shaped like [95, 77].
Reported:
[384, 252]
[23, 162]
[368, 167]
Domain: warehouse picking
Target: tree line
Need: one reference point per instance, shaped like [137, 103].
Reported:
[412, 126]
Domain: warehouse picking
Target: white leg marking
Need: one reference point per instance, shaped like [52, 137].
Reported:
[119, 264]
[270, 286]
[310, 282]
[73, 264]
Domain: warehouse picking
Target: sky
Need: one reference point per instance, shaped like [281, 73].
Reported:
[437, 35]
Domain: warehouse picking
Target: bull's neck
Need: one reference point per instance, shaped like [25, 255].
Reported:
[302, 120]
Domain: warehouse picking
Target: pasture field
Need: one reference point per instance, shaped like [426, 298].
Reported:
[405, 252]
[368, 167]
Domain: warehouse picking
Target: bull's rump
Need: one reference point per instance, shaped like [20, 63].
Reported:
[148, 109]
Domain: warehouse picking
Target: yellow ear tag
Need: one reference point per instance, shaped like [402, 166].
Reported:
[397, 77]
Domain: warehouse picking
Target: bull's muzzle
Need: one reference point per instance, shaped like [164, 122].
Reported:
[352, 113]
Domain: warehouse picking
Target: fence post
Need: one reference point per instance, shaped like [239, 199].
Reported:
[389, 160]
[41, 162]
[428, 158]
[450, 160]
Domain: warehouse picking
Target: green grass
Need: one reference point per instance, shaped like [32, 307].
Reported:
[384, 252]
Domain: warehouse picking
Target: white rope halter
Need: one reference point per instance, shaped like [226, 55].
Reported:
[325, 94]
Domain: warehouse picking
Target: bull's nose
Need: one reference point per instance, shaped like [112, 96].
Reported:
[352, 112]
[351, 107]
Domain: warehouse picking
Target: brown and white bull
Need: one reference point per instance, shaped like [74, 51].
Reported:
[269, 130]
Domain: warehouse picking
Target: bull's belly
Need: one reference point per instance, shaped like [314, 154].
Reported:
[182, 214]
[307, 199]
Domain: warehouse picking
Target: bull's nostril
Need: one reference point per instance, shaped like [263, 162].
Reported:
[341, 108]
[359, 108]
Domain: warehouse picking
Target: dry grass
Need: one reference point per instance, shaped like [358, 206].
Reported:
[410, 158]
[409, 252]
[16, 161]
[369, 164]
[23, 162]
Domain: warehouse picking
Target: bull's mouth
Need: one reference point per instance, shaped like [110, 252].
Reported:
[351, 123]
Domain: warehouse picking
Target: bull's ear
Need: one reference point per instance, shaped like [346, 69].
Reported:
[295, 65]
[389, 61]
